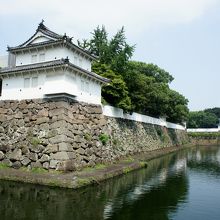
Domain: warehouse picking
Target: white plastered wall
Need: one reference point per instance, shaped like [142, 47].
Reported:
[54, 54]
[52, 83]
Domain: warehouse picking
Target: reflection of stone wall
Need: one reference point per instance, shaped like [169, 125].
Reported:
[62, 135]
[205, 141]
[112, 198]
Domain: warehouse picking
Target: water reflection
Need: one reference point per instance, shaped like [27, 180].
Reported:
[158, 192]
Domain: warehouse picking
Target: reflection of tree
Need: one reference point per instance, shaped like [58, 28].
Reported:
[156, 203]
[205, 159]
[26, 201]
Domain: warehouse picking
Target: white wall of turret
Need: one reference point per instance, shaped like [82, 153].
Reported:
[50, 54]
[38, 85]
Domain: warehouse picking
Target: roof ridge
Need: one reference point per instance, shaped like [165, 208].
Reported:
[45, 29]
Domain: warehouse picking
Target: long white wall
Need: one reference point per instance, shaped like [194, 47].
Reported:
[118, 113]
[203, 130]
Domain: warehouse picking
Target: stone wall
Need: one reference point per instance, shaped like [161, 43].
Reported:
[205, 141]
[68, 136]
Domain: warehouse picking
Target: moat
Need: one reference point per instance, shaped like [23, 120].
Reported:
[181, 185]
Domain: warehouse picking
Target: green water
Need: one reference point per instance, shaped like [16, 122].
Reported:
[183, 185]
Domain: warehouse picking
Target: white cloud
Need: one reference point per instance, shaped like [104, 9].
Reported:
[83, 15]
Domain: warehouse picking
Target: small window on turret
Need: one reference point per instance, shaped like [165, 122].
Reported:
[26, 82]
[34, 58]
[34, 82]
[42, 57]
[80, 62]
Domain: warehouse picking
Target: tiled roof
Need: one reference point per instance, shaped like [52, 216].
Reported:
[51, 42]
[57, 40]
[51, 64]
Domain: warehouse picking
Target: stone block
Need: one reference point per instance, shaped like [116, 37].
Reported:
[80, 151]
[65, 146]
[58, 124]
[32, 156]
[18, 115]
[44, 127]
[3, 111]
[15, 155]
[68, 165]
[53, 164]
[36, 164]
[60, 138]
[36, 148]
[51, 148]
[60, 156]
[44, 158]
[42, 120]
[46, 165]
[2, 155]
[43, 112]
[57, 111]
[72, 155]
[25, 161]
[3, 118]
[2, 130]
[7, 162]
[5, 147]
[16, 165]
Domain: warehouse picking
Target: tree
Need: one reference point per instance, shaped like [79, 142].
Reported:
[135, 86]
[116, 92]
[177, 110]
[152, 70]
[202, 119]
[114, 52]
[215, 111]
[150, 93]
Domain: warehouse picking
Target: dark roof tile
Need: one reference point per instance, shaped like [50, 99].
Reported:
[50, 64]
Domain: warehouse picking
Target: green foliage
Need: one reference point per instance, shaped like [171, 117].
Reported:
[100, 166]
[116, 92]
[3, 165]
[204, 134]
[215, 111]
[177, 110]
[35, 141]
[202, 119]
[114, 52]
[38, 170]
[88, 137]
[104, 138]
[150, 93]
[127, 170]
[135, 86]
[150, 70]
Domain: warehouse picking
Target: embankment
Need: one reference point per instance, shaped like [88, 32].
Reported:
[204, 138]
[62, 135]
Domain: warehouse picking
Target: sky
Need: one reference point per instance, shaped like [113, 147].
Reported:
[180, 36]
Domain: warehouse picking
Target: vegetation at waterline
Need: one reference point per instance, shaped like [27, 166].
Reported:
[205, 135]
[209, 118]
[135, 86]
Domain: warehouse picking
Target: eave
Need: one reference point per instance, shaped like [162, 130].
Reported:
[47, 44]
[52, 65]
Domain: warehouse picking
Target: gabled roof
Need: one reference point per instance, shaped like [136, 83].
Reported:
[52, 38]
[52, 64]
[44, 30]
